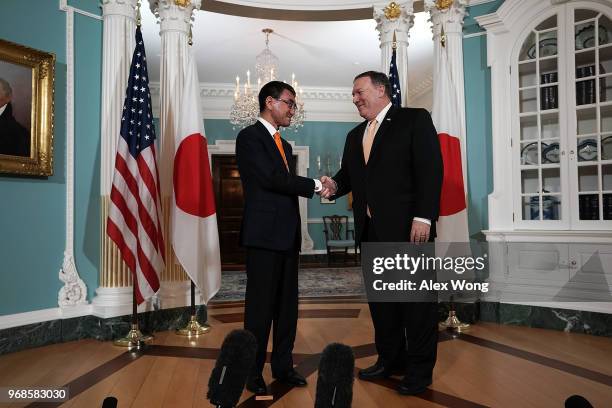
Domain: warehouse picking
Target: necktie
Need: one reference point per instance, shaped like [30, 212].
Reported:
[368, 140]
[279, 145]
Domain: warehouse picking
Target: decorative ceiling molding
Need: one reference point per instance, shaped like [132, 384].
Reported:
[306, 10]
[303, 11]
[323, 104]
[478, 2]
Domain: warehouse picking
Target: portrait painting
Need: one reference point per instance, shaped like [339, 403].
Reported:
[26, 110]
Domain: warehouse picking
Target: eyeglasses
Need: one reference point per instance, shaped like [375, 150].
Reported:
[291, 104]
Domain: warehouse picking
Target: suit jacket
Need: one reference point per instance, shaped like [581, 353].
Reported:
[14, 138]
[271, 217]
[403, 177]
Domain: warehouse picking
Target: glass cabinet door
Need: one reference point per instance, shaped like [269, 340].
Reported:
[591, 146]
[539, 125]
[562, 140]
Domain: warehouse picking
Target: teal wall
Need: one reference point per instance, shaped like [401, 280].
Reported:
[478, 118]
[32, 220]
[324, 138]
[32, 224]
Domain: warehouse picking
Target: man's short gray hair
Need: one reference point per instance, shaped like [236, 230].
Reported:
[5, 88]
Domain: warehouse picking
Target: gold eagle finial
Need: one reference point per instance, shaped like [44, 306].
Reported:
[443, 4]
[393, 11]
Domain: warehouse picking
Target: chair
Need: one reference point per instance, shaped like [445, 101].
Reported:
[338, 237]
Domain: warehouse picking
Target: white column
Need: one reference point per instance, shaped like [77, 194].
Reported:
[119, 28]
[175, 22]
[118, 45]
[395, 19]
[450, 22]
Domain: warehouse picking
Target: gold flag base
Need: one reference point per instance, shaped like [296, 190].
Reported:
[453, 323]
[193, 328]
[133, 338]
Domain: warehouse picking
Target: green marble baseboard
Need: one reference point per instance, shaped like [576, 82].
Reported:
[86, 327]
[571, 321]
[63, 330]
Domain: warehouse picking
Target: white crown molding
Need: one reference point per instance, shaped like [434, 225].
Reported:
[323, 104]
[478, 2]
[63, 6]
[318, 5]
[479, 34]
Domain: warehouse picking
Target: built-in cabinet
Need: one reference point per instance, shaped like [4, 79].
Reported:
[550, 211]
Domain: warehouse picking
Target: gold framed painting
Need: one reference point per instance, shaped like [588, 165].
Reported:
[26, 110]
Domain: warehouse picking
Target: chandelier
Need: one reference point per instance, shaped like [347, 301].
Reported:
[245, 110]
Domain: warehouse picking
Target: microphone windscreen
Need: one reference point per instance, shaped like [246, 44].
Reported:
[109, 402]
[235, 361]
[577, 401]
[336, 375]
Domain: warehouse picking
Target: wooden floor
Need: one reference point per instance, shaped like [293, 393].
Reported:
[493, 365]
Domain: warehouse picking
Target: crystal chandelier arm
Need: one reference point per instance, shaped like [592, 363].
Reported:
[255, 163]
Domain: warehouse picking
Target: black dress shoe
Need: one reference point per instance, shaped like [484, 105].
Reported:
[413, 386]
[293, 378]
[374, 372]
[257, 385]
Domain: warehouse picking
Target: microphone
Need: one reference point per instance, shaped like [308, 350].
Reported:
[577, 401]
[236, 358]
[109, 402]
[336, 375]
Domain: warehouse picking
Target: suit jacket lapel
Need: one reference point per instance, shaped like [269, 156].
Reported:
[269, 143]
[380, 133]
[358, 136]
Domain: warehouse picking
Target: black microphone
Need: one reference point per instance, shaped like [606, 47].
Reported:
[109, 402]
[577, 401]
[336, 375]
[235, 361]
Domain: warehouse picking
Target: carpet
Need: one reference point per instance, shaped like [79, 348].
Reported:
[315, 282]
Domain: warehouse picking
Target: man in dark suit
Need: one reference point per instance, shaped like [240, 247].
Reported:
[14, 138]
[393, 165]
[271, 233]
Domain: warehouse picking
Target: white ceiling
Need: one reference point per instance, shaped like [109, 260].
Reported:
[322, 54]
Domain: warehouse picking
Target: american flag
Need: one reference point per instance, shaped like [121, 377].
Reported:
[134, 220]
[396, 92]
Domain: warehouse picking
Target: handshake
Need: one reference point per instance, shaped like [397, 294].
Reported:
[329, 187]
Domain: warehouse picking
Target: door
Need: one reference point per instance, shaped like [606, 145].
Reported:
[230, 206]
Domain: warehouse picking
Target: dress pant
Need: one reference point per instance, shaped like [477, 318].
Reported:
[405, 333]
[272, 301]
